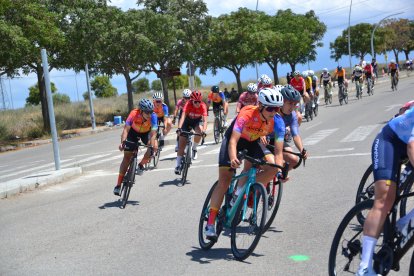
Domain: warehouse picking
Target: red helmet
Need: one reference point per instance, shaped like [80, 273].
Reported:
[196, 96]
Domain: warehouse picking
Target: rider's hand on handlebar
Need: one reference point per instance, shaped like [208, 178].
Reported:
[173, 120]
[178, 131]
[264, 141]
[304, 154]
[121, 146]
[235, 163]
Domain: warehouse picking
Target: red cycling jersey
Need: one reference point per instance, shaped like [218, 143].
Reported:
[247, 98]
[368, 69]
[298, 84]
[193, 112]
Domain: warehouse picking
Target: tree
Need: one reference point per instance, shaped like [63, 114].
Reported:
[400, 36]
[235, 41]
[37, 27]
[175, 27]
[156, 85]
[360, 42]
[34, 95]
[59, 98]
[141, 85]
[102, 87]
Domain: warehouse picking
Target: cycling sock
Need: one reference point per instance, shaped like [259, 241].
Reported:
[179, 160]
[162, 137]
[120, 178]
[368, 246]
[212, 216]
[195, 146]
[225, 117]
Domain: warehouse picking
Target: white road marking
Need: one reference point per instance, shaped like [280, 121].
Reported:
[344, 149]
[339, 155]
[313, 125]
[391, 107]
[318, 136]
[359, 134]
[103, 161]
[38, 168]
[214, 151]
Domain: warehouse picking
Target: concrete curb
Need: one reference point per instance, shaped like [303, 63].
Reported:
[34, 181]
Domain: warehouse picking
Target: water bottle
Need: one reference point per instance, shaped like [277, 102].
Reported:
[402, 223]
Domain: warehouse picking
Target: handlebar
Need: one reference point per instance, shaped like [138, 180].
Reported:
[298, 154]
[190, 133]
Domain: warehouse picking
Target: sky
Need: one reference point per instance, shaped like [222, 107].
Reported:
[334, 14]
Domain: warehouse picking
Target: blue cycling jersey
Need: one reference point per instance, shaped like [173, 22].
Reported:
[279, 128]
[403, 126]
[291, 120]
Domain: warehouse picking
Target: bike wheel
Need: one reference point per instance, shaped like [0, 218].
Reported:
[330, 98]
[156, 158]
[346, 99]
[203, 241]
[274, 191]
[247, 225]
[346, 248]
[216, 130]
[407, 204]
[186, 165]
[315, 109]
[129, 180]
[411, 271]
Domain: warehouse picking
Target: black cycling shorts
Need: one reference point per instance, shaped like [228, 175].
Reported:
[191, 124]
[133, 137]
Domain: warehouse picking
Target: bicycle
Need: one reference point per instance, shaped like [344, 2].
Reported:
[394, 82]
[358, 86]
[342, 93]
[274, 191]
[392, 244]
[246, 218]
[308, 110]
[155, 156]
[366, 186]
[186, 161]
[370, 91]
[219, 128]
[328, 94]
[129, 178]
[315, 102]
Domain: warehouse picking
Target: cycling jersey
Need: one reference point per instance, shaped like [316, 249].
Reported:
[308, 83]
[368, 69]
[403, 126]
[357, 73]
[194, 112]
[340, 73]
[326, 77]
[216, 97]
[250, 125]
[161, 110]
[247, 98]
[314, 81]
[298, 84]
[291, 120]
[139, 124]
[393, 66]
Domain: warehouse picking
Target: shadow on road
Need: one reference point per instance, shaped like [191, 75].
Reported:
[176, 182]
[207, 256]
[118, 204]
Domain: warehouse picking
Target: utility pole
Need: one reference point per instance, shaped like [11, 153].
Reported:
[88, 84]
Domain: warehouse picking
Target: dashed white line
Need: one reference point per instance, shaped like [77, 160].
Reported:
[318, 136]
[359, 134]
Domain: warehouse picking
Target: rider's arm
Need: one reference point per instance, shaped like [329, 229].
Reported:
[124, 134]
[238, 107]
[410, 151]
[204, 117]
[180, 123]
[235, 136]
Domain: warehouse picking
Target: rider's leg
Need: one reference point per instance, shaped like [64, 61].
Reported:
[124, 166]
[181, 146]
[226, 110]
[290, 158]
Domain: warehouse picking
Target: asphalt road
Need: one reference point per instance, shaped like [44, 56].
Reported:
[77, 227]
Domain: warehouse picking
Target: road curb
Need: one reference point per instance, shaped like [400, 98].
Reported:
[41, 179]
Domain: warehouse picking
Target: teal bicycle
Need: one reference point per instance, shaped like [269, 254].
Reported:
[246, 219]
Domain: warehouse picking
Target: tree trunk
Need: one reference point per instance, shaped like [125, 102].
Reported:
[292, 66]
[396, 55]
[165, 91]
[275, 74]
[129, 91]
[43, 98]
[406, 52]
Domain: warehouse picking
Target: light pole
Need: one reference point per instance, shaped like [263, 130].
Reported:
[349, 37]
[373, 31]
[257, 70]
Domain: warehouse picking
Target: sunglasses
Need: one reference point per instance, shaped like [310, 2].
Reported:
[158, 101]
[196, 102]
[271, 108]
[147, 112]
[186, 98]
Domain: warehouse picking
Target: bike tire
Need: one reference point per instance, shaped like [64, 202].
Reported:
[186, 165]
[204, 243]
[156, 158]
[129, 179]
[411, 270]
[274, 196]
[346, 99]
[344, 250]
[254, 228]
[216, 130]
[330, 99]
[408, 201]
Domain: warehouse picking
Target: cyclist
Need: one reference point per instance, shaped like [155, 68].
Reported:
[326, 80]
[299, 84]
[140, 124]
[218, 100]
[357, 74]
[264, 82]
[290, 98]
[340, 74]
[393, 69]
[194, 114]
[247, 98]
[315, 86]
[405, 107]
[393, 143]
[161, 109]
[374, 65]
[368, 71]
[179, 109]
[244, 132]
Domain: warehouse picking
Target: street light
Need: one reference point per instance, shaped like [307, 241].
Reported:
[257, 71]
[349, 37]
[373, 31]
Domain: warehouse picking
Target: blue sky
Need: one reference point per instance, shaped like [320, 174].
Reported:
[333, 13]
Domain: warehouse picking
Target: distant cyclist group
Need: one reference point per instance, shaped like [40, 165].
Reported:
[267, 121]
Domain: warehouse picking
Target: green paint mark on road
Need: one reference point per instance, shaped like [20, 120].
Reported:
[299, 258]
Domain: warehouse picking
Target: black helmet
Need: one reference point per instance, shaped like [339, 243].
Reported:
[339, 67]
[289, 93]
[215, 89]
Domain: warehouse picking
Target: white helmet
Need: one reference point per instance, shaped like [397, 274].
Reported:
[252, 87]
[325, 70]
[186, 93]
[157, 96]
[265, 80]
[392, 61]
[270, 97]
[364, 63]
[278, 87]
[311, 73]
[304, 74]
